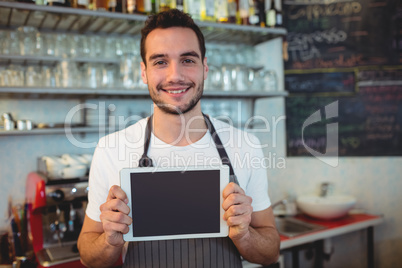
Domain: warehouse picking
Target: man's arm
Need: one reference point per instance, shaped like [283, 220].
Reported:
[253, 233]
[100, 243]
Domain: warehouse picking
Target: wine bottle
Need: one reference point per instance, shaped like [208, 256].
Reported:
[244, 11]
[165, 5]
[61, 3]
[279, 18]
[193, 7]
[131, 6]
[144, 6]
[221, 10]
[208, 10]
[271, 13]
[232, 11]
[257, 13]
[180, 5]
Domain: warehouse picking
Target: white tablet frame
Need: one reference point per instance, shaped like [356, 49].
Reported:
[125, 184]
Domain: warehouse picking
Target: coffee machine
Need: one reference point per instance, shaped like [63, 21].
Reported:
[56, 211]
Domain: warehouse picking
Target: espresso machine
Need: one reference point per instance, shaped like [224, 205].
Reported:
[56, 211]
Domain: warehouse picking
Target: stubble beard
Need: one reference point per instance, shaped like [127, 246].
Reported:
[175, 110]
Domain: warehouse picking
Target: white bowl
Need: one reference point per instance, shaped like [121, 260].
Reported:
[327, 208]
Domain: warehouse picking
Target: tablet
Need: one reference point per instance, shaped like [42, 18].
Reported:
[175, 202]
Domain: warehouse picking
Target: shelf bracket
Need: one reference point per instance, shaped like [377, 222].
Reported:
[27, 18]
[9, 17]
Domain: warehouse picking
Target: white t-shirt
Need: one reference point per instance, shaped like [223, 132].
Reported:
[123, 149]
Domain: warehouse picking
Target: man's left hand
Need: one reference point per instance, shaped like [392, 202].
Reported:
[238, 209]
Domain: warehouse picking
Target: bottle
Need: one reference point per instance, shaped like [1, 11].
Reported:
[165, 5]
[257, 13]
[279, 18]
[61, 3]
[144, 6]
[102, 5]
[112, 5]
[180, 5]
[208, 10]
[221, 10]
[232, 11]
[271, 14]
[130, 6]
[81, 4]
[193, 7]
[244, 10]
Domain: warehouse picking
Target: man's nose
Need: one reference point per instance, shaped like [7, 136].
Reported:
[175, 73]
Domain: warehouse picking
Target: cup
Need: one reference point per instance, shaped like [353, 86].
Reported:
[130, 71]
[11, 43]
[66, 74]
[48, 76]
[21, 125]
[33, 76]
[8, 124]
[27, 40]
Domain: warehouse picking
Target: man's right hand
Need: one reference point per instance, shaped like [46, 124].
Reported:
[114, 216]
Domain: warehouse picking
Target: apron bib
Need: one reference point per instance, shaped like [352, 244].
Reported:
[217, 252]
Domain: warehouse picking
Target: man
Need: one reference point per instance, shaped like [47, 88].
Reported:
[174, 67]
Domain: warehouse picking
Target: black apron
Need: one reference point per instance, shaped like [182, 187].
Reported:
[217, 252]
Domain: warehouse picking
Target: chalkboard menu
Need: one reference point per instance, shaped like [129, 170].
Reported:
[346, 54]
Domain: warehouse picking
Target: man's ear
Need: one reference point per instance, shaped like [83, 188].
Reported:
[144, 73]
[206, 68]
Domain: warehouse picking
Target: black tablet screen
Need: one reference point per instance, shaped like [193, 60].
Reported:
[175, 202]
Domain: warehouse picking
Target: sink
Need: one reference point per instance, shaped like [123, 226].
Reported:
[326, 208]
[290, 227]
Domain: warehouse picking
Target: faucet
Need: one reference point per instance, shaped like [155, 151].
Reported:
[326, 189]
[289, 206]
[280, 202]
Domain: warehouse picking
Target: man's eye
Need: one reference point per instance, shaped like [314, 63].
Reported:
[159, 62]
[188, 61]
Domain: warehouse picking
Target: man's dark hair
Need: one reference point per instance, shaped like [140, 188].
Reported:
[167, 19]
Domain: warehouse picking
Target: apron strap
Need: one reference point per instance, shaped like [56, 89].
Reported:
[221, 150]
[145, 161]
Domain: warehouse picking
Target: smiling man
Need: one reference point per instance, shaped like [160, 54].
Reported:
[174, 67]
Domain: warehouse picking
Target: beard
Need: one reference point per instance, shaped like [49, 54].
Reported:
[171, 109]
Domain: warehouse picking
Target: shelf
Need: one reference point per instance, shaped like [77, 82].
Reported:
[72, 20]
[49, 131]
[30, 59]
[87, 93]
[89, 129]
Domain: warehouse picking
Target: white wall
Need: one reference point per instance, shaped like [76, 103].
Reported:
[376, 182]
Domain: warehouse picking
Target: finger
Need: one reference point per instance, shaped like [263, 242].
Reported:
[115, 205]
[111, 228]
[242, 221]
[232, 188]
[237, 211]
[116, 217]
[116, 192]
[236, 199]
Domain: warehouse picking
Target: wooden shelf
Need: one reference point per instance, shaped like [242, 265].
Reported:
[72, 20]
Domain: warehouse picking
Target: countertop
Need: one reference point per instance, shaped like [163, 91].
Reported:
[347, 224]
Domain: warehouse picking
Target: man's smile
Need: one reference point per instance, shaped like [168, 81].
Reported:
[175, 89]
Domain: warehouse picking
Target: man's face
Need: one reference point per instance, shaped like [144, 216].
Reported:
[174, 72]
